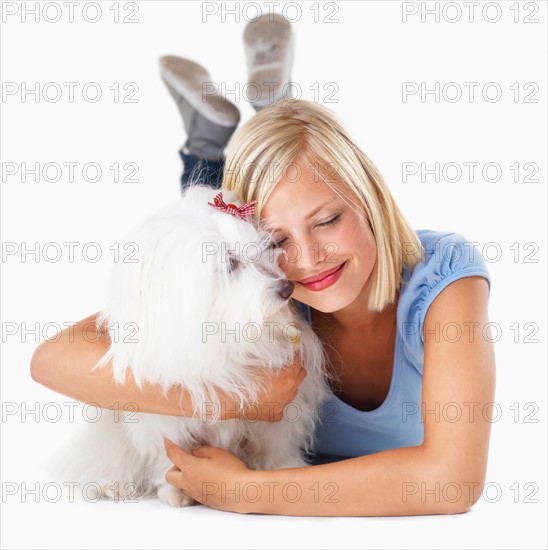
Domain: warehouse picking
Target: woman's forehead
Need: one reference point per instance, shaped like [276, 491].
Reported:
[297, 202]
[308, 188]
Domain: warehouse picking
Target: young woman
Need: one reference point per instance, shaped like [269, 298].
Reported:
[402, 313]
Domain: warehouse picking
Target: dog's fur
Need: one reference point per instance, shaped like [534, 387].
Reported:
[199, 306]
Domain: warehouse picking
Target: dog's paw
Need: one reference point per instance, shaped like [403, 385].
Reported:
[174, 497]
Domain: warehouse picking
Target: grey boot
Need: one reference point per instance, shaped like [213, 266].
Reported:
[208, 118]
[269, 43]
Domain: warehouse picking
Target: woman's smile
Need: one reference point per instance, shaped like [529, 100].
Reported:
[333, 275]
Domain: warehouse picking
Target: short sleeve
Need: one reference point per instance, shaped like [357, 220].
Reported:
[448, 257]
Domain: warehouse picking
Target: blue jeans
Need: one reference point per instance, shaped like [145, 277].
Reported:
[210, 171]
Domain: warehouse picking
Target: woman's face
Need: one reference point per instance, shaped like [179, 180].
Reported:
[320, 233]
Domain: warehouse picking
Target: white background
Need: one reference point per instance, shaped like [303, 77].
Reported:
[367, 52]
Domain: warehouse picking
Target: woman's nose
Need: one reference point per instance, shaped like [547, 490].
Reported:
[303, 257]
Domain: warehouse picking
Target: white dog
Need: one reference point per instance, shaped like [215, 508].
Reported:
[205, 305]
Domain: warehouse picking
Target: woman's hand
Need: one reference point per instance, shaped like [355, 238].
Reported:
[210, 475]
[284, 386]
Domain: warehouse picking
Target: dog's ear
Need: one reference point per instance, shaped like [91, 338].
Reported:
[159, 300]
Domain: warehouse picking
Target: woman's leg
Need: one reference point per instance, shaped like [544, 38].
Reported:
[269, 44]
[208, 118]
[204, 170]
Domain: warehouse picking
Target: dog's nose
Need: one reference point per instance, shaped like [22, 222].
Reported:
[286, 290]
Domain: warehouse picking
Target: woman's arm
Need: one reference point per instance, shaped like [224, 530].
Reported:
[64, 365]
[444, 475]
[397, 482]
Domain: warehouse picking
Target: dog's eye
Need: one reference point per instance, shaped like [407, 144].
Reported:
[233, 263]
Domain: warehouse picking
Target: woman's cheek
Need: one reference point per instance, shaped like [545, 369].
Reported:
[359, 238]
[347, 239]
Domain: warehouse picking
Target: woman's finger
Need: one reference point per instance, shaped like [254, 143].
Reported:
[175, 477]
[177, 455]
[300, 376]
[294, 396]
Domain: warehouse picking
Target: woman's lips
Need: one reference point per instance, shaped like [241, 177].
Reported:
[326, 281]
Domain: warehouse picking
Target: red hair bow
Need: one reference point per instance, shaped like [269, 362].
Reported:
[243, 211]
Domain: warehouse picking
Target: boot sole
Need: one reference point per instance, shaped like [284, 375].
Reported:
[193, 83]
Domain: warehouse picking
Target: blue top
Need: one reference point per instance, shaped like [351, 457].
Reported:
[346, 432]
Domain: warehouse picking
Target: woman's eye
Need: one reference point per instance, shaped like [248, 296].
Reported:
[278, 244]
[332, 221]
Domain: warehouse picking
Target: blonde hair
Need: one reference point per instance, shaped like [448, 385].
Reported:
[292, 130]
